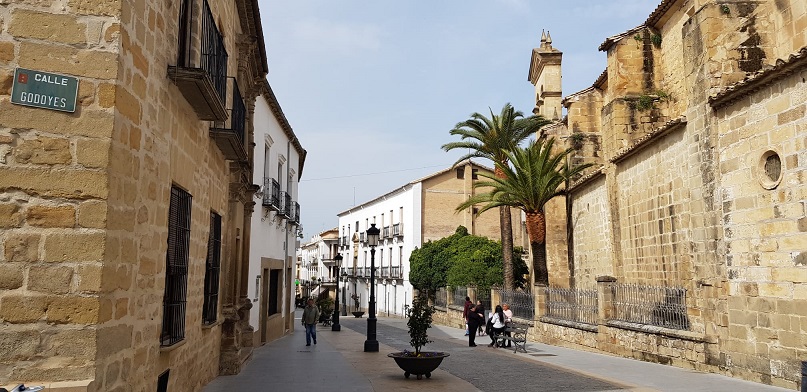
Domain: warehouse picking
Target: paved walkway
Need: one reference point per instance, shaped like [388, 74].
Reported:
[338, 363]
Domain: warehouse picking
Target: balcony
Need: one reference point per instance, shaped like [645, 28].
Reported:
[296, 207]
[271, 194]
[229, 133]
[201, 70]
[285, 209]
[385, 232]
[397, 230]
[363, 237]
[395, 272]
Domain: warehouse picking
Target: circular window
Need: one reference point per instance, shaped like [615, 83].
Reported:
[770, 169]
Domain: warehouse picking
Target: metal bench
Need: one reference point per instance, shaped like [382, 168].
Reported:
[518, 335]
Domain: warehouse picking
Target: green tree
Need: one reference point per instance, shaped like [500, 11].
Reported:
[492, 138]
[460, 260]
[536, 176]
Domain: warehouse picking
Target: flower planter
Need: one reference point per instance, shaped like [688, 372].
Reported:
[425, 364]
[358, 314]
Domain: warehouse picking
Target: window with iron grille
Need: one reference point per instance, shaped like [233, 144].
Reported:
[176, 267]
[210, 307]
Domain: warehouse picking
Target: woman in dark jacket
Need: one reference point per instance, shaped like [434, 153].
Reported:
[476, 318]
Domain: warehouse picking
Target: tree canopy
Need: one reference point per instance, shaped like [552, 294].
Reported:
[461, 259]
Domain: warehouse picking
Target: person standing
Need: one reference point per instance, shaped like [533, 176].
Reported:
[481, 310]
[465, 310]
[310, 318]
[475, 320]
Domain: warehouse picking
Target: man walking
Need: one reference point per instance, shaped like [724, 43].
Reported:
[310, 318]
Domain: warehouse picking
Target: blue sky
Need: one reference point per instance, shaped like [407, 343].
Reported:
[371, 88]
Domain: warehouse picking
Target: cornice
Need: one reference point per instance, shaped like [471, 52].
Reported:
[753, 82]
[646, 139]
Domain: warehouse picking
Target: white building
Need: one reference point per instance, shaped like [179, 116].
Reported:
[419, 211]
[316, 271]
[278, 159]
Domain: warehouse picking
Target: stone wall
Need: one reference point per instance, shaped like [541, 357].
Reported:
[84, 199]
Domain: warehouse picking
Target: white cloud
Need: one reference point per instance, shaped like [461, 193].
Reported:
[342, 38]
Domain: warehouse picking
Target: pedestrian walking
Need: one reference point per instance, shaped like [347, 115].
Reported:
[465, 310]
[310, 318]
[481, 309]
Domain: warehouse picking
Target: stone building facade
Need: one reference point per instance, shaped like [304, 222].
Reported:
[124, 225]
[698, 134]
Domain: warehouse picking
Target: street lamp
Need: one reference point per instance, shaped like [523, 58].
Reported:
[371, 344]
[335, 326]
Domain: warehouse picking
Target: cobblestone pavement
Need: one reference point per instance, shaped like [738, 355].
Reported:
[486, 368]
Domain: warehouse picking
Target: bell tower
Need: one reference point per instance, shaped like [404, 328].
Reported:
[545, 76]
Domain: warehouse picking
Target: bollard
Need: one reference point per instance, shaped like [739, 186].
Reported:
[804, 376]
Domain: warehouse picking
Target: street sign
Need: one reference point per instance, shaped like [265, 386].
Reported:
[44, 90]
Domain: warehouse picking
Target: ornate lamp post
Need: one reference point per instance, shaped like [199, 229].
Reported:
[335, 326]
[371, 344]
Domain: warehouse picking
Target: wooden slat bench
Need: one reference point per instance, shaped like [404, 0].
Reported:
[518, 336]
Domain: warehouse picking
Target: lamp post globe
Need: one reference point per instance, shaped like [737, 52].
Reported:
[335, 322]
[371, 344]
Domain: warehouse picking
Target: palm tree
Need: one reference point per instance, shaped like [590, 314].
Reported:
[536, 176]
[492, 138]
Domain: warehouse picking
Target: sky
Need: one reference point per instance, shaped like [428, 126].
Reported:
[372, 88]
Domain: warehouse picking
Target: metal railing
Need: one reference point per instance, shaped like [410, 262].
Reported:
[572, 304]
[522, 303]
[652, 305]
[211, 53]
[271, 192]
[483, 295]
[458, 295]
[397, 230]
[363, 237]
[237, 118]
[385, 232]
[395, 272]
[440, 297]
[286, 210]
[296, 212]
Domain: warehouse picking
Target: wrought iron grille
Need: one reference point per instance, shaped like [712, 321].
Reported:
[212, 267]
[440, 297]
[574, 304]
[271, 192]
[237, 118]
[210, 55]
[176, 267]
[483, 295]
[286, 200]
[396, 230]
[385, 233]
[652, 305]
[522, 303]
[395, 272]
[458, 295]
[296, 212]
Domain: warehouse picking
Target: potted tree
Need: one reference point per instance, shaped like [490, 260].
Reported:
[356, 313]
[419, 362]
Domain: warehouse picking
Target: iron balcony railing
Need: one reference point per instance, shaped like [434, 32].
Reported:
[395, 272]
[201, 69]
[271, 193]
[397, 230]
[385, 232]
[363, 237]
[237, 112]
[296, 212]
[287, 211]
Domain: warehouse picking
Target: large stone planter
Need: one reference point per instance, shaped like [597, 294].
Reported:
[419, 366]
[358, 314]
